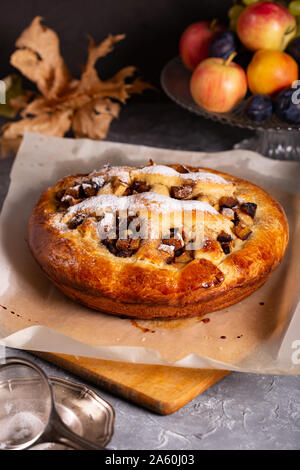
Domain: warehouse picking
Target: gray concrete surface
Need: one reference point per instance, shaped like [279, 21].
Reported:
[243, 411]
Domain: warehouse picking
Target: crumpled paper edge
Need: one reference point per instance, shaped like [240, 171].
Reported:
[43, 339]
[30, 339]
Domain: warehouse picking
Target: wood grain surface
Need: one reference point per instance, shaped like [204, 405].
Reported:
[159, 388]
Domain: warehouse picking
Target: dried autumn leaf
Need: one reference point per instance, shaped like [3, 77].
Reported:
[37, 106]
[56, 123]
[86, 104]
[138, 86]
[74, 101]
[29, 64]
[116, 87]
[39, 59]
[90, 82]
[118, 92]
[19, 102]
[41, 104]
[93, 119]
[125, 72]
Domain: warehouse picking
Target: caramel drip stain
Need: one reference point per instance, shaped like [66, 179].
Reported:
[173, 323]
[14, 313]
[203, 319]
[140, 327]
[17, 314]
[170, 324]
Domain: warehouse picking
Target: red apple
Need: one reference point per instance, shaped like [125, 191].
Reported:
[218, 85]
[266, 25]
[195, 41]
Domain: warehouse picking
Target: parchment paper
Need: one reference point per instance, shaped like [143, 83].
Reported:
[262, 333]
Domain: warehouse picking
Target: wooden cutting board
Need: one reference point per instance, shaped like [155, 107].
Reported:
[159, 388]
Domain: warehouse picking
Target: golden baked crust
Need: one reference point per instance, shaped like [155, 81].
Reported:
[159, 241]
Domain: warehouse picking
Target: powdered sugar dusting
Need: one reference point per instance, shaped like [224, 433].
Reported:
[120, 172]
[164, 170]
[99, 180]
[8, 407]
[138, 202]
[124, 174]
[168, 248]
[19, 428]
[204, 176]
[157, 170]
[227, 212]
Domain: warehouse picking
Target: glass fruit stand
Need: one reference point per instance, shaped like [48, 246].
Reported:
[273, 138]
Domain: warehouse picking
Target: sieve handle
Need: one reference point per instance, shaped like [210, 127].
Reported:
[58, 432]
